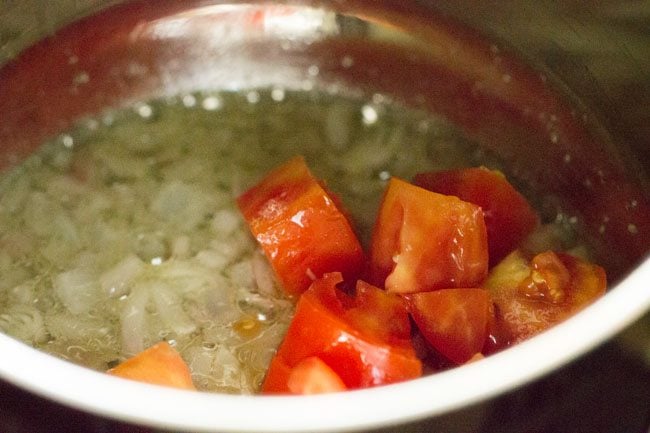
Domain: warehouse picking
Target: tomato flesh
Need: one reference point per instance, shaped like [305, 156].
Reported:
[313, 376]
[509, 217]
[532, 295]
[160, 365]
[327, 325]
[424, 241]
[453, 321]
[299, 226]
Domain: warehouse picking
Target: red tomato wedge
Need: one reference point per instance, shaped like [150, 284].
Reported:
[327, 325]
[453, 321]
[300, 227]
[313, 376]
[532, 295]
[160, 365]
[424, 241]
[509, 218]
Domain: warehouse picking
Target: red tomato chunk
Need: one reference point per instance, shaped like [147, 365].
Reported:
[425, 241]
[160, 364]
[508, 216]
[533, 295]
[300, 228]
[453, 321]
[326, 326]
[313, 376]
[430, 253]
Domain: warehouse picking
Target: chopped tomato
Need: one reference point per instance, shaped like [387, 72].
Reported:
[453, 321]
[533, 295]
[509, 218]
[313, 376]
[160, 364]
[349, 334]
[423, 241]
[301, 227]
[382, 315]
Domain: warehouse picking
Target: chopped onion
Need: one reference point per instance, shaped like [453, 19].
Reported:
[182, 204]
[77, 289]
[115, 281]
[133, 321]
[225, 222]
[212, 259]
[264, 275]
[168, 305]
[181, 247]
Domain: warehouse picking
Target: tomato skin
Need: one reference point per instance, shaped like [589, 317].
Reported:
[453, 321]
[160, 365]
[424, 241]
[530, 296]
[300, 227]
[360, 357]
[509, 217]
[313, 376]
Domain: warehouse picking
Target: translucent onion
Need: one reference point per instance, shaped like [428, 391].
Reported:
[77, 289]
[115, 281]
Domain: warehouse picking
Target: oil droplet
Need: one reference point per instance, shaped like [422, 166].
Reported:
[145, 111]
[68, 141]
[378, 98]
[506, 78]
[211, 103]
[253, 97]
[313, 71]
[370, 115]
[632, 228]
[278, 94]
[108, 119]
[91, 124]
[247, 327]
[347, 62]
[189, 101]
[81, 78]
[567, 158]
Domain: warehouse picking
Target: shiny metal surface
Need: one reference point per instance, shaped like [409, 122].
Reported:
[598, 49]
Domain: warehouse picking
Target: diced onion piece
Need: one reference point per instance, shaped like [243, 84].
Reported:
[115, 281]
[133, 321]
[168, 306]
[182, 204]
[77, 289]
[264, 276]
